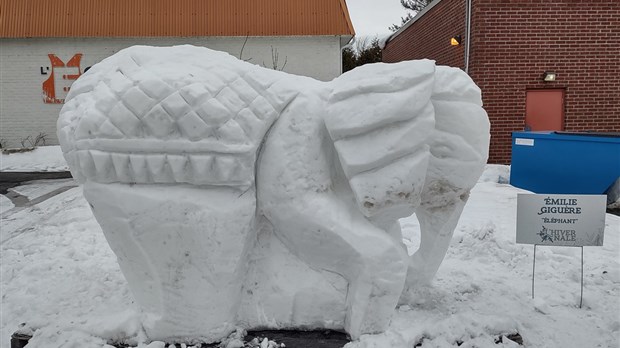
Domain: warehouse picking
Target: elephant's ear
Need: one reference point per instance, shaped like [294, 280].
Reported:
[460, 142]
[379, 117]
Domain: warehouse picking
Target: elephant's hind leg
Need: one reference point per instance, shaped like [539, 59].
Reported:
[314, 214]
[328, 236]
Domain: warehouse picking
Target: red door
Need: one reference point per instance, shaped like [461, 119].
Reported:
[544, 110]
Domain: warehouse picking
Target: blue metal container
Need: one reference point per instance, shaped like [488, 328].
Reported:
[565, 163]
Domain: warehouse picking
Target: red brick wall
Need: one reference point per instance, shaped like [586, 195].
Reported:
[429, 37]
[515, 41]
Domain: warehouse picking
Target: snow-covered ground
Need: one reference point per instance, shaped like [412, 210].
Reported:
[41, 159]
[59, 276]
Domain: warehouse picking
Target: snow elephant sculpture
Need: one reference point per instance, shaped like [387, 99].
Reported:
[234, 195]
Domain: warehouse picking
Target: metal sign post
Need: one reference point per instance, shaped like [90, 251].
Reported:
[581, 297]
[534, 273]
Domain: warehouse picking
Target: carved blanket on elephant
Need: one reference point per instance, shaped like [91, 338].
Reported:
[136, 118]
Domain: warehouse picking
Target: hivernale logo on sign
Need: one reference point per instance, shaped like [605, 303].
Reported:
[544, 235]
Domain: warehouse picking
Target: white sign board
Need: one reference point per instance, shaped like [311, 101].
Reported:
[561, 220]
[524, 142]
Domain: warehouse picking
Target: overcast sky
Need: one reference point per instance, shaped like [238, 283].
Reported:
[373, 17]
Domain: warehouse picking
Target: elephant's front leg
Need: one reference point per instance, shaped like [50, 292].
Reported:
[314, 214]
[459, 148]
[437, 224]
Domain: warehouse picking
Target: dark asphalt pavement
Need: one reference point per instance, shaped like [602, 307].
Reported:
[12, 179]
[290, 339]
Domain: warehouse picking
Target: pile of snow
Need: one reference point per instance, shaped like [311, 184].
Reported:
[41, 159]
[496, 173]
[613, 195]
[60, 278]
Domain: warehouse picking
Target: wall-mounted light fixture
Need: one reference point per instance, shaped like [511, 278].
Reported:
[549, 76]
[455, 40]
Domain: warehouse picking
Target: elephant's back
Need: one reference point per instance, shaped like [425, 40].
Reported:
[169, 115]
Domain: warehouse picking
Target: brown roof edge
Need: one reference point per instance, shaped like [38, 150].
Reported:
[347, 17]
[346, 39]
[178, 18]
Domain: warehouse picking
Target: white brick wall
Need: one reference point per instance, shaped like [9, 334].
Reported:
[23, 112]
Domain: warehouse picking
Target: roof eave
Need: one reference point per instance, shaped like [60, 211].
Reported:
[347, 17]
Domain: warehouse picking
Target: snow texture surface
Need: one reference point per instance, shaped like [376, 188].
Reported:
[41, 159]
[217, 183]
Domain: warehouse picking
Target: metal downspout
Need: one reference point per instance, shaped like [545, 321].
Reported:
[468, 38]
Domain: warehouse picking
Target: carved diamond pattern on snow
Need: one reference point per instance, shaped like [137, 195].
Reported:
[231, 132]
[138, 102]
[159, 122]
[214, 113]
[230, 100]
[121, 115]
[211, 113]
[194, 93]
[217, 81]
[105, 98]
[109, 130]
[155, 88]
[251, 125]
[88, 127]
[244, 91]
[175, 105]
[263, 109]
[118, 83]
[193, 127]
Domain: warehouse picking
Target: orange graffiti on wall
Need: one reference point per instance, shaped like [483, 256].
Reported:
[56, 87]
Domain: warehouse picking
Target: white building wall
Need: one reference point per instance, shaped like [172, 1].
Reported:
[23, 112]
